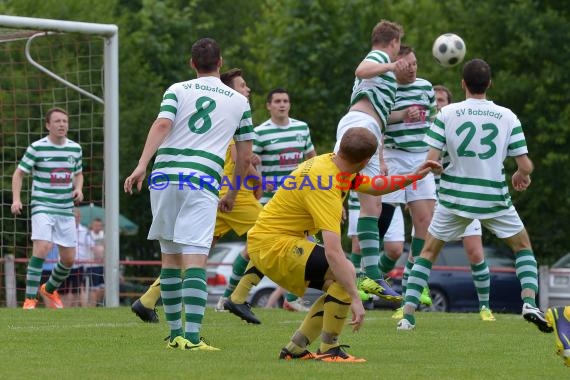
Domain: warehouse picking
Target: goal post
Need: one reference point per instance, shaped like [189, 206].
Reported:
[110, 100]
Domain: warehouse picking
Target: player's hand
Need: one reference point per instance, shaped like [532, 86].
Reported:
[77, 196]
[413, 114]
[343, 215]
[255, 160]
[428, 166]
[258, 192]
[357, 314]
[226, 204]
[520, 181]
[16, 208]
[136, 177]
[383, 167]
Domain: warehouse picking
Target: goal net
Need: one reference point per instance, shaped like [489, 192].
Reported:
[41, 69]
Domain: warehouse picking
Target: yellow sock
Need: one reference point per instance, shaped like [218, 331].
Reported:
[313, 323]
[150, 298]
[250, 278]
[336, 306]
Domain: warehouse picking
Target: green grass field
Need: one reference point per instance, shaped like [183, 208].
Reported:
[112, 343]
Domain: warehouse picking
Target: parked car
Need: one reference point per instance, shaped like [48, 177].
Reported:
[219, 270]
[451, 283]
[559, 282]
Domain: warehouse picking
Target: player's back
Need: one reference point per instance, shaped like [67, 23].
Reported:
[478, 135]
[206, 114]
[380, 90]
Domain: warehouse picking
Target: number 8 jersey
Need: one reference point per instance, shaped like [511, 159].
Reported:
[206, 114]
[478, 135]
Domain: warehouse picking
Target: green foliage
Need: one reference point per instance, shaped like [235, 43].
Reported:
[312, 47]
[113, 343]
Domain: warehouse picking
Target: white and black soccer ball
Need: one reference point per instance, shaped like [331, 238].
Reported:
[449, 49]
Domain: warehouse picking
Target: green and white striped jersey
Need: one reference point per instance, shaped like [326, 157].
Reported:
[478, 135]
[53, 168]
[281, 149]
[381, 90]
[409, 135]
[206, 114]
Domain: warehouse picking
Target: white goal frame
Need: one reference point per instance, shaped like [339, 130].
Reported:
[110, 33]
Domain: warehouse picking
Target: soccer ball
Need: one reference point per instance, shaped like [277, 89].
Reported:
[448, 49]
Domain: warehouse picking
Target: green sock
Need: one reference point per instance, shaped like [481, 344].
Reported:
[33, 276]
[58, 275]
[290, 297]
[238, 268]
[195, 295]
[367, 229]
[527, 273]
[417, 246]
[386, 263]
[417, 281]
[171, 293]
[356, 260]
[482, 281]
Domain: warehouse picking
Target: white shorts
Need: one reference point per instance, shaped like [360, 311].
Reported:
[396, 232]
[360, 119]
[352, 223]
[58, 229]
[473, 229]
[183, 220]
[448, 226]
[402, 162]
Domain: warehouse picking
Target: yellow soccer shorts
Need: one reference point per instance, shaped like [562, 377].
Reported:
[240, 219]
[283, 259]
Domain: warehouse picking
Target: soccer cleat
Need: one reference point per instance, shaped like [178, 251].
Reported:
[242, 310]
[398, 313]
[486, 314]
[559, 319]
[364, 296]
[425, 298]
[181, 343]
[52, 299]
[220, 305]
[144, 313]
[337, 354]
[285, 354]
[534, 315]
[30, 304]
[297, 305]
[379, 288]
[405, 325]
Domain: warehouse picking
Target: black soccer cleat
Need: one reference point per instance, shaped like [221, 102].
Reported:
[242, 310]
[144, 313]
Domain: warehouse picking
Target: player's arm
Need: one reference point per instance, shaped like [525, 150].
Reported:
[344, 273]
[17, 179]
[369, 69]
[521, 178]
[77, 193]
[381, 185]
[156, 135]
[311, 154]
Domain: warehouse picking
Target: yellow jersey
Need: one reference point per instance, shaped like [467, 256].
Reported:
[309, 200]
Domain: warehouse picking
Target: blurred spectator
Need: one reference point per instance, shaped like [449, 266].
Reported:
[95, 282]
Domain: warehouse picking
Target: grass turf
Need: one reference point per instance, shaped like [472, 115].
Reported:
[114, 343]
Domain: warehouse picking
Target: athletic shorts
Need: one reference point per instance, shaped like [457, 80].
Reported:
[448, 226]
[402, 162]
[360, 119]
[94, 277]
[183, 220]
[473, 229]
[283, 260]
[58, 229]
[240, 219]
[396, 232]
